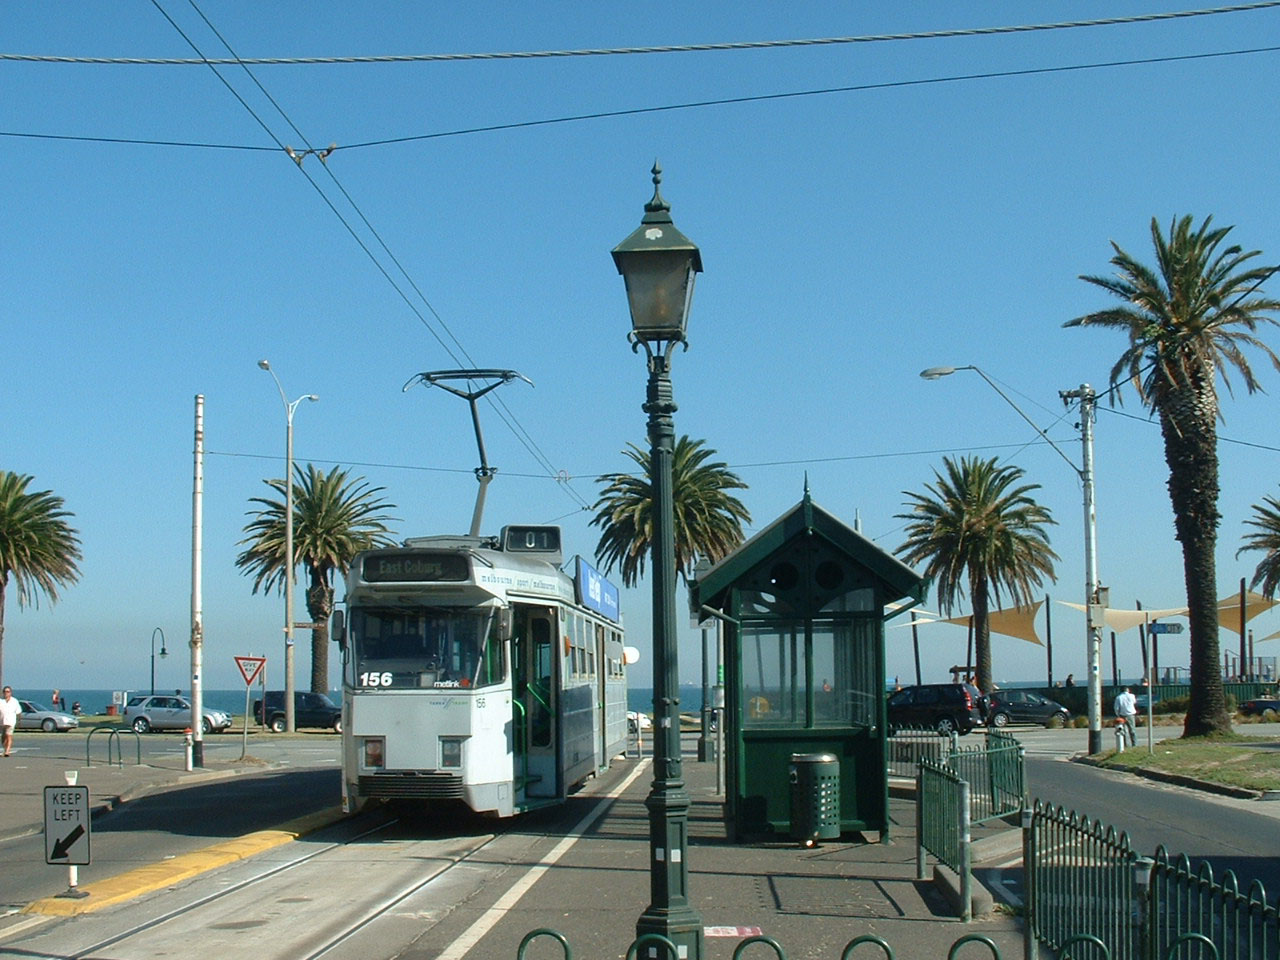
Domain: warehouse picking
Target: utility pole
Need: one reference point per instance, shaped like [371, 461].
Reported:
[1094, 595]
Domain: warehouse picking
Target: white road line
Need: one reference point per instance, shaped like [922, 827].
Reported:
[473, 934]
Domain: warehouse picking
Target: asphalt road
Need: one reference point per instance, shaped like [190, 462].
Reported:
[1238, 835]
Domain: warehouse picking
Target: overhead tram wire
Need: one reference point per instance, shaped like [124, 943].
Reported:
[315, 186]
[504, 413]
[732, 466]
[496, 403]
[671, 107]
[824, 91]
[1150, 421]
[630, 51]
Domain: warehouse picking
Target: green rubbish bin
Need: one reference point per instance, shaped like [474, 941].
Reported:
[815, 797]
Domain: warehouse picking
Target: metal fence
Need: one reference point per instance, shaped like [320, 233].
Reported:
[1079, 877]
[995, 772]
[1084, 880]
[994, 767]
[868, 945]
[1180, 901]
[942, 826]
[907, 746]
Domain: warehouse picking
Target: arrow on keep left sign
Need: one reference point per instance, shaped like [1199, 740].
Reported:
[61, 847]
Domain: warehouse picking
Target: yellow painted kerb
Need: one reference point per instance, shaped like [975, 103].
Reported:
[134, 883]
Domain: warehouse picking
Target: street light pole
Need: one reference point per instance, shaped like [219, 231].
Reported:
[1094, 603]
[289, 680]
[659, 263]
[1094, 592]
[163, 653]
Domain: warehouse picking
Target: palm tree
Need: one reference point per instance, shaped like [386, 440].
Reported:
[977, 524]
[708, 519]
[38, 549]
[1265, 537]
[1186, 321]
[333, 519]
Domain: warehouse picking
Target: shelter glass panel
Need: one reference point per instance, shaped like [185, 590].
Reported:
[844, 673]
[861, 600]
[773, 674]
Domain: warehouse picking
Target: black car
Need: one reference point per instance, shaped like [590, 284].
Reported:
[309, 710]
[1256, 708]
[940, 706]
[1023, 706]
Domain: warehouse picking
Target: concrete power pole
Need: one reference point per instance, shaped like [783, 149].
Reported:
[1095, 595]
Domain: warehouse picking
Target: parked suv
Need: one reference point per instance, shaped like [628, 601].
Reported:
[941, 706]
[309, 710]
[1023, 706]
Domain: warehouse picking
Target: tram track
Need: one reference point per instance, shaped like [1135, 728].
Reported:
[261, 888]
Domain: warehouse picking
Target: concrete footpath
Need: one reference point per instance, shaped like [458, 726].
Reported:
[811, 901]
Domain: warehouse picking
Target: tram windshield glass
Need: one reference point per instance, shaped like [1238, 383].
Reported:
[411, 647]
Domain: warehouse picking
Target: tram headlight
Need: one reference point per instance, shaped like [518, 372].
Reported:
[450, 752]
[373, 752]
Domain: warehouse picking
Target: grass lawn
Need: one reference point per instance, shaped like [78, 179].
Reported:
[1237, 761]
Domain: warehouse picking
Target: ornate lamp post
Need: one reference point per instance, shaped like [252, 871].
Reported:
[163, 653]
[289, 408]
[658, 263]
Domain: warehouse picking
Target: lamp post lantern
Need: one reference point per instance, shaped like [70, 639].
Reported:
[163, 653]
[1095, 594]
[658, 264]
[289, 409]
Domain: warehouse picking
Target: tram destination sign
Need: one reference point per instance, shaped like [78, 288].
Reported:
[415, 567]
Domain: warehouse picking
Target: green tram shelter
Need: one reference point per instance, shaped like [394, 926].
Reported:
[804, 604]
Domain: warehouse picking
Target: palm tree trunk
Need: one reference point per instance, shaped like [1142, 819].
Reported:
[981, 632]
[1188, 422]
[319, 609]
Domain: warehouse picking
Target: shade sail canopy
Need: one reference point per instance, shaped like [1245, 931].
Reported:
[1122, 620]
[1229, 609]
[1016, 622]
[1228, 613]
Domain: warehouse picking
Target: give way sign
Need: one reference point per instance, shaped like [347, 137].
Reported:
[250, 667]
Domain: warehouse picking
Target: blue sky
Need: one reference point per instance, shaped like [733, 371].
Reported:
[850, 239]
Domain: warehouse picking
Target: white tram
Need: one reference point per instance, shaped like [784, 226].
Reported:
[475, 669]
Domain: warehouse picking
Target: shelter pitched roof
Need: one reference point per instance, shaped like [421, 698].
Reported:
[897, 580]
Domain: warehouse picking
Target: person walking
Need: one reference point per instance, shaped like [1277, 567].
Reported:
[9, 712]
[1126, 708]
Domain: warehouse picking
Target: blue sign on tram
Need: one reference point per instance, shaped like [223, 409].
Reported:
[596, 592]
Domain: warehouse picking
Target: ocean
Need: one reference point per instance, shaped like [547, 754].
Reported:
[639, 699]
[232, 701]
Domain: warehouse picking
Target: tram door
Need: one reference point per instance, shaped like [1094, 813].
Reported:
[536, 691]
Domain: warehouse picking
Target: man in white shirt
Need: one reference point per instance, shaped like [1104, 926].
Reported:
[1126, 708]
[9, 710]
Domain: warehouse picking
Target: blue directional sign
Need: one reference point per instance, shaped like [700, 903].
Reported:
[1164, 628]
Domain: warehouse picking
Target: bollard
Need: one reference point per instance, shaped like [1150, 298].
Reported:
[186, 742]
[73, 872]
